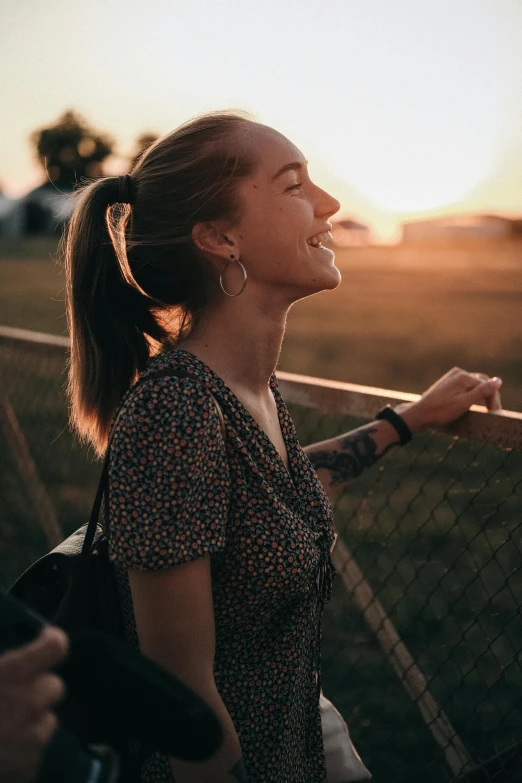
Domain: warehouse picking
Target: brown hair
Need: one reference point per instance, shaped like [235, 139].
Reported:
[129, 267]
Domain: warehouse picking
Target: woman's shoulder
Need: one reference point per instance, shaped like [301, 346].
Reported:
[166, 391]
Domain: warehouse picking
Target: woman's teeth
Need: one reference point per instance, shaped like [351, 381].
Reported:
[316, 240]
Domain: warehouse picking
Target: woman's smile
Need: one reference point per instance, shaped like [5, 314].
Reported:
[316, 240]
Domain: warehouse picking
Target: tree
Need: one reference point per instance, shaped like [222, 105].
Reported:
[71, 149]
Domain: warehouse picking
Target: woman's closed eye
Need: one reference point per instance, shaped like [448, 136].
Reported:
[296, 186]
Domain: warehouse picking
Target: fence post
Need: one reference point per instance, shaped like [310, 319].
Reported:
[28, 471]
[398, 655]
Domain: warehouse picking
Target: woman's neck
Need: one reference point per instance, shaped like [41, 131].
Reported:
[241, 342]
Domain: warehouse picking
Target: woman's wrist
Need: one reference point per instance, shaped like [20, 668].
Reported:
[397, 422]
[412, 415]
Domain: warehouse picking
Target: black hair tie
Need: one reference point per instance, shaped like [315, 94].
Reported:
[124, 192]
[125, 189]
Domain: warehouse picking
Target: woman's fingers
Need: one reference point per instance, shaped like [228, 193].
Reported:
[47, 690]
[487, 391]
[493, 401]
[28, 691]
[23, 663]
[481, 376]
[28, 745]
[477, 386]
[44, 729]
[466, 381]
[452, 395]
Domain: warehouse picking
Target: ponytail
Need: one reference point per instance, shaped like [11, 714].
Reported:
[133, 273]
[111, 320]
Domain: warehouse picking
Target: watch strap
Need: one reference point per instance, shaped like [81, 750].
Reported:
[397, 422]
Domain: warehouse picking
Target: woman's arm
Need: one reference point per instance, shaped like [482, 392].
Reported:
[175, 622]
[341, 459]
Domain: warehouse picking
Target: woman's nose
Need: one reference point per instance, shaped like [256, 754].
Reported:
[327, 205]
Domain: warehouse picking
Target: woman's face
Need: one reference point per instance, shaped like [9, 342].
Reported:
[283, 210]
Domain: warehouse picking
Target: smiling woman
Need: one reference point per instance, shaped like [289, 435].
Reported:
[182, 274]
[222, 574]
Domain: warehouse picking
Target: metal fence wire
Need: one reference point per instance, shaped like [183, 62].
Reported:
[422, 640]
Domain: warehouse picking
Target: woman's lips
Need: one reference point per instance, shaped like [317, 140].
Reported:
[316, 240]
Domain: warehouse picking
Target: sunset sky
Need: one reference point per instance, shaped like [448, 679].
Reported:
[403, 108]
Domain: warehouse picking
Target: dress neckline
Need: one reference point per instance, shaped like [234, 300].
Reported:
[282, 414]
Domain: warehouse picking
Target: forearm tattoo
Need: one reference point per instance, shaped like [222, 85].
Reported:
[358, 452]
[238, 772]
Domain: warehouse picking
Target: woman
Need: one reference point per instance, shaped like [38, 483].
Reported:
[220, 528]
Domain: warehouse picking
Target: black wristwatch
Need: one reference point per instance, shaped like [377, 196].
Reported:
[397, 422]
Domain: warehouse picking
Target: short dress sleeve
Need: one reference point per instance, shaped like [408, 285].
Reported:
[169, 484]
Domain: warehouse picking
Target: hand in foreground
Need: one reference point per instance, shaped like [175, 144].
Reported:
[450, 398]
[28, 689]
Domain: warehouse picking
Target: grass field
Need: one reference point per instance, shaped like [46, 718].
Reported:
[401, 318]
[436, 528]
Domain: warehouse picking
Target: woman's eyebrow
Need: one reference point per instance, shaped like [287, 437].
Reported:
[288, 167]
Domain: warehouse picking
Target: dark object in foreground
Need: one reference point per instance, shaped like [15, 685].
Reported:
[74, 586]
[113, 693]
[506, 767]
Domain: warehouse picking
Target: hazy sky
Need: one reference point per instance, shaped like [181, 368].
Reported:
[401, 106]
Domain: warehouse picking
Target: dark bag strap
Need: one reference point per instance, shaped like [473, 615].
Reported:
[103, 484]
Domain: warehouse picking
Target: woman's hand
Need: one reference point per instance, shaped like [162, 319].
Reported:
[28, 691]
[450, 397]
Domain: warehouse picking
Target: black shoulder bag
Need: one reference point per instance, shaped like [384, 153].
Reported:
[74, 586]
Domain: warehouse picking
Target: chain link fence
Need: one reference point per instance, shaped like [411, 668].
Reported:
[422, 641]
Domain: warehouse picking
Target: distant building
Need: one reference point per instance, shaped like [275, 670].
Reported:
[461, 227]
[43, 210]
[10, 217]
[350, 233]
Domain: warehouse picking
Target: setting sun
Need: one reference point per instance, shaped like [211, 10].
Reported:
[433, 124]
[400, 107]
[435, 160]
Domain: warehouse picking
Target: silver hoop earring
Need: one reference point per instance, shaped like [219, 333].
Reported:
[237, 261]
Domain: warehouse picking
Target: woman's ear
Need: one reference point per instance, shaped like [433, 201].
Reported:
[210, 239]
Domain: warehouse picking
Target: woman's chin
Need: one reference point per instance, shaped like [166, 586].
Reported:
[330, 278]
[326, 280]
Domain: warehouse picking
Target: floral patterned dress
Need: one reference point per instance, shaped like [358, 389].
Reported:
[178, 489]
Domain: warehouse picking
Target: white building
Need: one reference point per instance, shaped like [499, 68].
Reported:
[350, 233]
[461, 227]
[10, 217]
[45, 209]
[41, 211]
